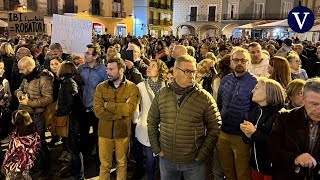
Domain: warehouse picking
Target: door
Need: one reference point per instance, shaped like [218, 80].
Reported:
[69, 6]
[212, 13]
[193, 13]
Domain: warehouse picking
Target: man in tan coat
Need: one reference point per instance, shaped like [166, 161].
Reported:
[114, 103]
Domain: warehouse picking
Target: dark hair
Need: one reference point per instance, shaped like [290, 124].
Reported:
[23, 123]
[162, 44]
[56, 46]
[66, 68]
[95, 49]
[136, 42]
[43, 48]
[119, 61]
[224, 67]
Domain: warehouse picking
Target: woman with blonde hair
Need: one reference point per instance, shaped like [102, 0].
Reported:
[270, 98]
[156, 78]
[8, 57]
[294, 94]
[295, 67]
[279, 69]
[206, 73]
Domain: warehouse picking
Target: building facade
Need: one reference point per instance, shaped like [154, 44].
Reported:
[198, 17]
[108, 16]
[153, 17]
[215, 17]
[239, 12]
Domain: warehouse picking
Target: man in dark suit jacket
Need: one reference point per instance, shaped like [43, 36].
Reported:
[295, 141]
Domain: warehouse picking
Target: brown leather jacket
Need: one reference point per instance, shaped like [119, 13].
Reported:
[38, 89]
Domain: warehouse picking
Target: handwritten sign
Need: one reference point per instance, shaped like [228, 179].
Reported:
[25, 23]
[73, 34]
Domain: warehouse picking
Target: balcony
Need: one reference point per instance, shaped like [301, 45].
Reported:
[252, 17]
[200, 18]
[155, 22]
[119, 14]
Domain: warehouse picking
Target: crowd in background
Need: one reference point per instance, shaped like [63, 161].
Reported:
[224, 113]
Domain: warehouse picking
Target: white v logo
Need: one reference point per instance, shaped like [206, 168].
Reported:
[298, 19]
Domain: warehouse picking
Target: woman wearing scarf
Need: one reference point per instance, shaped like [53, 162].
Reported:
[156, 76]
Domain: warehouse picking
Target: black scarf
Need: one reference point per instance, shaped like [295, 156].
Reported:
[179, 90]
[36, 71]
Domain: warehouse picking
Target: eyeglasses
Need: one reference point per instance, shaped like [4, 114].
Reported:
[243, 61]
[187, 72]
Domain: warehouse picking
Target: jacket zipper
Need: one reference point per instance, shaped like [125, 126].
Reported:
[115, 100]
[254, 144]
[175, 124]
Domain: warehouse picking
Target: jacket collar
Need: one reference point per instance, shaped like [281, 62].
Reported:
[97, 66]
[110, 83]
[244, 76]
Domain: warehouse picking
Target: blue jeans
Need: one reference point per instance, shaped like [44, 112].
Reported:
[152, 161]
[194, 170]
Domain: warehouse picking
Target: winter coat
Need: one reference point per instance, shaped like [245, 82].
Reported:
[235, 101]
[115, 117]
[290, 138]
[147, 96]
[263, 118]
[187, 132]
[38, 87]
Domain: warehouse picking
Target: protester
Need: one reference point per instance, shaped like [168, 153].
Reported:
[295, 67]
[156, 73]
[182, 148]
[92, 72]
[259, 61]
[69, 104]
[115, 101]
[294, 139]
[279, 70]
[295, 94]
[234, 102]
[23, 146]
[270, 97]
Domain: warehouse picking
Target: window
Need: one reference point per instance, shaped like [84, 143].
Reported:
[259, 10]
[212, 13]
[286, 8]
[69, 6]
[233, 10]
[193, 13]
[95, 7]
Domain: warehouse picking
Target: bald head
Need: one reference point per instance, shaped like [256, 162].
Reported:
[178, 51]
[22, 52]
[26, 65]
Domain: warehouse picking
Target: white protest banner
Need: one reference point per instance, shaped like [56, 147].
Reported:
[25, 23]
[73, 34]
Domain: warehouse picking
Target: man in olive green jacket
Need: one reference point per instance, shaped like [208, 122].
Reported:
[114, 103]
[189, 124]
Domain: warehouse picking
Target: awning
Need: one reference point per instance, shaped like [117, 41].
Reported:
[3, 23]
[253, 25]
[281, 23]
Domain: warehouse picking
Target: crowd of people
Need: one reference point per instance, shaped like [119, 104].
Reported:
[217, 108]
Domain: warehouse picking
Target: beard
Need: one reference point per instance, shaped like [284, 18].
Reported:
[239, 69]
[113, 78]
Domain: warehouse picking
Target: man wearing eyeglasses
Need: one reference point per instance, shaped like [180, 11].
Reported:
[92, 72]
[234, 102]
[295, 152]
[189, 123]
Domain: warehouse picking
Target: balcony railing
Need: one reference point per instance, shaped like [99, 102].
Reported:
[200, 17]
[253, 17]
[160, 22]
[119, 14]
